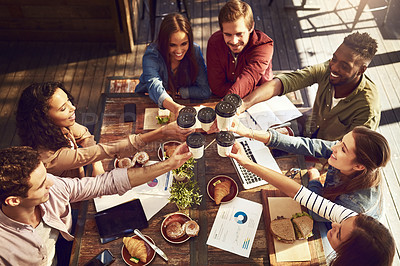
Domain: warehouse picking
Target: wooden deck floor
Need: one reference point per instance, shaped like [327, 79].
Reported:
[301, 38]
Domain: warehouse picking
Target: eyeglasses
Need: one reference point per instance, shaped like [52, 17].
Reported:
[293, 172]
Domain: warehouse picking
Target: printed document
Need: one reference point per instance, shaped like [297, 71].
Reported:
[235, 226]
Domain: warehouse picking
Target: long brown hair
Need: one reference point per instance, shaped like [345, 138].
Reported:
[372, 151]
[188, 69]
[370, 243]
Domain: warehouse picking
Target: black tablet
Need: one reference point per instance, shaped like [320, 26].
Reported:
[120, 220]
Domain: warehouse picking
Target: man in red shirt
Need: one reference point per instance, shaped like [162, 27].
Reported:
[238, 56]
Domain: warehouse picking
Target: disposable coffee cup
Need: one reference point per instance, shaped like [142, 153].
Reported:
[206, 117]
[225, 112]
[186, 120]
[234, 99]
[225, 141]
[188, 110]
[195, 142]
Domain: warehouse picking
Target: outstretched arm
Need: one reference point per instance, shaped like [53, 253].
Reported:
[323, 207]
[284, 184]
[138, 176]
[264, 92]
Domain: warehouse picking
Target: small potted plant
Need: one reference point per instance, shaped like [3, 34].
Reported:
[185, 190]
[185, 172]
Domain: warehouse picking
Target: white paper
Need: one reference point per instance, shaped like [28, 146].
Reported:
[263, 115]
[247, 120]
[275, 111]
[283, 108]
[235, 226]
[150, 119]
[153, 195]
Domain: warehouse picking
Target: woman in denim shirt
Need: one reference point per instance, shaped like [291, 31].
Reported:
[353, 178]
[355, 239]
[174, 65]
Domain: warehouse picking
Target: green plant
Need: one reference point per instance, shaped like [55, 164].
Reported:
[186, 170]
[185, 193]
[162, 120]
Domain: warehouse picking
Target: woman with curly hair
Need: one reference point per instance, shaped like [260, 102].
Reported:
[173, 66]
[46, 122]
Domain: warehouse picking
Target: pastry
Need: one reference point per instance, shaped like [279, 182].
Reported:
[136, 248]
[221, 190]
[174, 230]
[124, 163]
[141, 157]
[191, 228]
[170, 148]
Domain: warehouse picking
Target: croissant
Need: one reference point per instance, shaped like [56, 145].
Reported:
[136, 248]
[221, 190]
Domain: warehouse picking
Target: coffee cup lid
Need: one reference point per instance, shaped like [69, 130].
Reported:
[225, 109]
[186, 120]
[225, 138]
[188, 110]
[234, 99]
[195, 140]
[206, 115]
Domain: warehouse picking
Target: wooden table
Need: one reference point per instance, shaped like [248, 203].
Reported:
[195, 251]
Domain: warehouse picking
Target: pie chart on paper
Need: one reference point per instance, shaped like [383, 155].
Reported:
[240, 217]
[153, 183]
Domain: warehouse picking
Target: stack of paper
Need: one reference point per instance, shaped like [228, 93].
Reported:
[275, 111]
[153, 195]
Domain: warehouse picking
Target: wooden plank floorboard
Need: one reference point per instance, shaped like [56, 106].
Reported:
[7, 51]
[9, 92]
[73, 59]
[87, 85]
[78, 78]
[197, 23]
[91, 119]
[278, 14]
[61, 67]
[264, 14]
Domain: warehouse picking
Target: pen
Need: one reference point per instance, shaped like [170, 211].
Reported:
[167, 180]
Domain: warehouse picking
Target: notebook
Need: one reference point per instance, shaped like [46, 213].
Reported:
[258, 153]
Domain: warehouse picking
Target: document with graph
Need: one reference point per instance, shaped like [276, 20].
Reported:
[235, 226]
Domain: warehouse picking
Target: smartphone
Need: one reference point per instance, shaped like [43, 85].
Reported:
[130, 112]
[104, 258]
